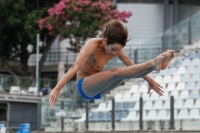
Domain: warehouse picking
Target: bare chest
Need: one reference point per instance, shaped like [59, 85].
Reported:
[99, 59]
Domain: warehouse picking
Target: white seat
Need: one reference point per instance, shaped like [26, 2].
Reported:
[131, 115]
[194, 114]
[183, 114]
[136, 106]
[184, 94]
[166, 104]
[181, 70]
[171, 87]
[175, 94]
[195, 62]
[154, 96]
[118, 97]
[158, 79]
[162, 115]
[163, 72]
[172, 70]
[197, 70]
[195, 77]
[194, 94]
[145, 96]
[186, 62]
[178, 104]
[165, 96]
[176, 78]
[151, 115]
[190, 85]
[33, 91]
[15, 90]
[82, 119]
[134, 88]
[189, 103]
[143, 88]
[190, 69]
[185, 77]
[197, 85]
[158, 105]
[126, 97]
[167, 79]
[180, 86]
[148, 105]
[109, 106]
[135, 97]
[197, 104]
[101, 107]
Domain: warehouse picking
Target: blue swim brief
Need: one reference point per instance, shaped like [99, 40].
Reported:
[79, 86]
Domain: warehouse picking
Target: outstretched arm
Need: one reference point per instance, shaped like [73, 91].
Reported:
[125, 59]
[152, 83]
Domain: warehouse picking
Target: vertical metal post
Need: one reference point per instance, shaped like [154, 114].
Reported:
[141, 113]
[189, 33]
[113, 114]
[175, 19]
[37, 62]
[62, 118]
[171, 112]
[166, 14]
[87, 114]
[135, 56]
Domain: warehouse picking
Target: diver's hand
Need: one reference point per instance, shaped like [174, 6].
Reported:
[156, 87]
[53, 97]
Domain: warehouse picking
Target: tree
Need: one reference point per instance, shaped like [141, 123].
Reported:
[78, 20]
[18, 28]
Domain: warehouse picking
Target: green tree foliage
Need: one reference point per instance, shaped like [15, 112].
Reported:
[18, 29]
[79, 20]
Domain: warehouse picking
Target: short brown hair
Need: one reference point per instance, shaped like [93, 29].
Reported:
[115, 32]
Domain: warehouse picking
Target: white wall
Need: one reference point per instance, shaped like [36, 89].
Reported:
[145, 23]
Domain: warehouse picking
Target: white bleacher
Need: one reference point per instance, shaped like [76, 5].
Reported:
[176, 78]
[162, 115]
[181, 70]
[171, 87]
[195, 77]
[189, 103]
[143, 88]
[180, 81]
[134, 88]
[150, 116]
[183, 94]
[126, 97]
[190, 69]
[190, 85]
[178, 104]
[186, 62]
[167, 79]
[158, 105]
[197, 70]
[15, 90]
[101, 107]
[135, 97]
[33, 91]
[186, 77]
[148, 105]
[195, 62]
[180, 86]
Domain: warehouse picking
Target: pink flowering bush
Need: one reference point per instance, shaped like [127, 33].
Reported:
[80, 19]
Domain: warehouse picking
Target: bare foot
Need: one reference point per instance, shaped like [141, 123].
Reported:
[163, 60]
[168, 59]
